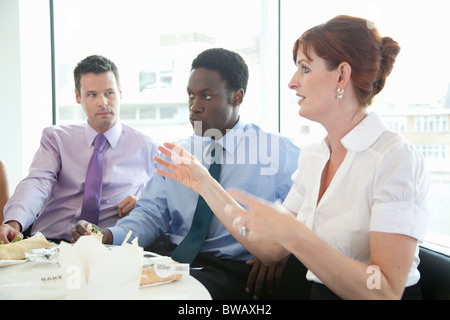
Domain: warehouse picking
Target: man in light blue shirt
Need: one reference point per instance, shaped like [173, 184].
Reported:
[252, 160]
[167, 203]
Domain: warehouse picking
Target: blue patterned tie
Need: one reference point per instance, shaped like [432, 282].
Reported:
[188, 249]
[94, 181]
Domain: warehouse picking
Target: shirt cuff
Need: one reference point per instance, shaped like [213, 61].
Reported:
[293, 200]
[119, 235]
[24, 220]
[399, 217]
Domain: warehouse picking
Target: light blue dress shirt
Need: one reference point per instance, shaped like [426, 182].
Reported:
[253, 160]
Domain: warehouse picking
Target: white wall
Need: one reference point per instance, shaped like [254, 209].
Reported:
[25, 82]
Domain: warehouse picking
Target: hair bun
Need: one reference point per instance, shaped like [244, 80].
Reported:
[389, 51]
[355, 41]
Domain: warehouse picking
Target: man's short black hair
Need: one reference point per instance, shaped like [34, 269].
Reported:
[230, 65]
[94, 64]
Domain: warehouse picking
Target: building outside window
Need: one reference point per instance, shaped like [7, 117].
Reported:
[154, 42]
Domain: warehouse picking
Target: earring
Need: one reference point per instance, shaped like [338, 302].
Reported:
[340, 93]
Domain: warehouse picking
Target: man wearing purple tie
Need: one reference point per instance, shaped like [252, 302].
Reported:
[59, 190]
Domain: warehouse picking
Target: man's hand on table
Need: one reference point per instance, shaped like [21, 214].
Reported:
[127, 205]
[10, 231]
[80, 229]
[261, 276]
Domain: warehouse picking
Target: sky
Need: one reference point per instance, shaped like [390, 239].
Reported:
[422, 28]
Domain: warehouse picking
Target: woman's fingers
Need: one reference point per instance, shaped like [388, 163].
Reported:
[173, 156]
[177, 154]
[165, 164]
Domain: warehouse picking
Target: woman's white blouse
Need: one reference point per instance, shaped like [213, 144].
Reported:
[382, 185]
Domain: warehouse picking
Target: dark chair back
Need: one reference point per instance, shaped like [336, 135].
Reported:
[434, 270]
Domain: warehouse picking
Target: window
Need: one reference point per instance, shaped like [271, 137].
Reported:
[396, 123]
[416, 99]
[433, 123]
[153, 44]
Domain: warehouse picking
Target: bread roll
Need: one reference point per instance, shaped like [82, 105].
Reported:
[17, 250]
[149, 275]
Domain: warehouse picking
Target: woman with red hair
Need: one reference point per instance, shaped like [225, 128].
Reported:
[358, 206]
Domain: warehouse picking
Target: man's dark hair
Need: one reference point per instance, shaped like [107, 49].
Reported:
[94, 64]
[230, 65]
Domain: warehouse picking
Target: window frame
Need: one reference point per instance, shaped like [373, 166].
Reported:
[443, 123]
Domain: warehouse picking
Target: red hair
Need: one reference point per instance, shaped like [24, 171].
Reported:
[357, 42]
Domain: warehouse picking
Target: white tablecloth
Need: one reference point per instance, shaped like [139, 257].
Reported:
[44, 281]
[187, 288]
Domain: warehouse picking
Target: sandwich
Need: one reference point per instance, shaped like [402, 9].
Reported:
[94, 231]
[149, 275]
[16, 250]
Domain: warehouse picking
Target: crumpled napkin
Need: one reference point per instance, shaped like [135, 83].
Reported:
[93, 271]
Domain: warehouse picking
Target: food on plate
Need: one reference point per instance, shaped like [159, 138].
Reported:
[15, 240]
[149, 275]
[16, 250]
[95, 231]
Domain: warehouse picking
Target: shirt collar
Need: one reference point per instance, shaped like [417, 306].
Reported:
[365, 134]
[231, 140]
[112, 135]
[228, 142]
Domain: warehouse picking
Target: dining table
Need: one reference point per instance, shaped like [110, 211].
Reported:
[187, 288]
[44, 280]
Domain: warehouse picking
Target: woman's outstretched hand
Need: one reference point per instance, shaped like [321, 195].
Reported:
[184, 167]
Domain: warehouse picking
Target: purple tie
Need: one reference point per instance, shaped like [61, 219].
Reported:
[94, 181]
